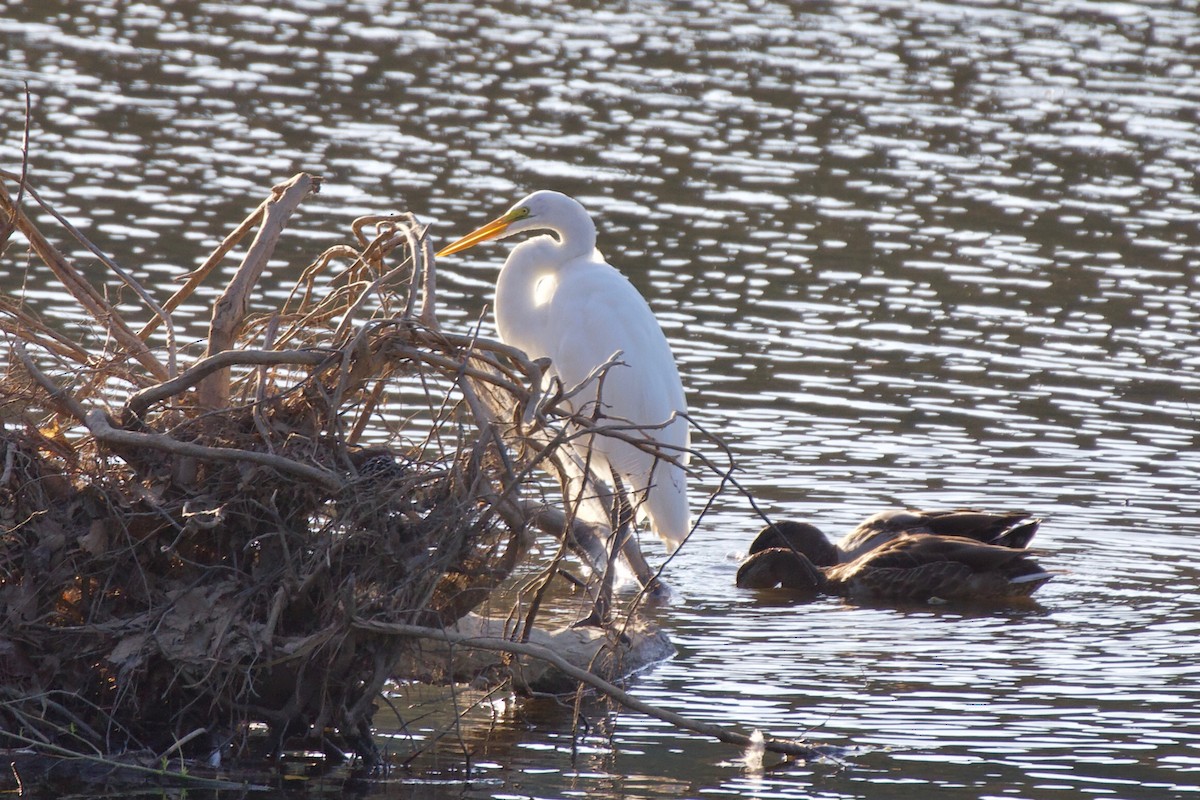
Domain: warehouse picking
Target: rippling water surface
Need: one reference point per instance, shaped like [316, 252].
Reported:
[912, 253]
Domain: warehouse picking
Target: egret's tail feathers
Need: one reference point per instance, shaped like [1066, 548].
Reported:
[667, 508]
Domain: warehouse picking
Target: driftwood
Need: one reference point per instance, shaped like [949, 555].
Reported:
[562, 652]
[92, 300]
[191, 551]
[229, 311]
[607, 655]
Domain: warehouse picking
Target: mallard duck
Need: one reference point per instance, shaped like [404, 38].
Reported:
[920, 567]
[902, 556]
[1005, 529]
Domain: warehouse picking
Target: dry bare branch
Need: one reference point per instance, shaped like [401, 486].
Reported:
[229, 311]
[136, 406]
[102, 429]
[57, 395]
[26, 326]
[87, 295]
[197, 277]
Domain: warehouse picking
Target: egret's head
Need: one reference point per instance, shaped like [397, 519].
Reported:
[542, 210]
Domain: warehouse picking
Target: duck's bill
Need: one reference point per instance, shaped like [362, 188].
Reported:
[492, 230]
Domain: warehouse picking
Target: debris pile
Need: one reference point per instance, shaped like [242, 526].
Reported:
[192, 545]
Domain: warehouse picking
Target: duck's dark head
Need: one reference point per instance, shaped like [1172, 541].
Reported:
[800, 537]
[780, 567]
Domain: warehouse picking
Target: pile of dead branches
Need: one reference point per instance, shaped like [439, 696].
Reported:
[198, 546]
[192, 545]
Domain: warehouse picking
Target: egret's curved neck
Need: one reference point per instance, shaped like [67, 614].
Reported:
[531, 275]
[516, 305]
[575, 234]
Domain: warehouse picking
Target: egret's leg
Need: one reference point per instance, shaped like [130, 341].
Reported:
[654, 590]
[622, 522]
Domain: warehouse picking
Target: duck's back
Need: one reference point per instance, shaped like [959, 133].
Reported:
[924, 567]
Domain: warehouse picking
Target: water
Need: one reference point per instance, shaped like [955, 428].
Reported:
[907, 253]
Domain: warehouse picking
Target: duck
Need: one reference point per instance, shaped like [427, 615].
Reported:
[911, 556]
[1014, 529]
[922, 567]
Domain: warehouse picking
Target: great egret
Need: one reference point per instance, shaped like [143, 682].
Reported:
[915, 567]
[557, 298]
[1007, 529]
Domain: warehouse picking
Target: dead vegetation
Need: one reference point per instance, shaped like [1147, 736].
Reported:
[203, 553]
[190, 546]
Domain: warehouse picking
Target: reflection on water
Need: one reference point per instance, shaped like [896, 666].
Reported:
[907, 253]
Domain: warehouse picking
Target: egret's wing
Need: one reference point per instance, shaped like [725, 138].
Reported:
[595, 313]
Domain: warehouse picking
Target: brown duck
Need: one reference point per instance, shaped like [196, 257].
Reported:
[925, 556]
[1007, 529]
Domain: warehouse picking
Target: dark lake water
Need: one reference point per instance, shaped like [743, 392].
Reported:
[907, 253]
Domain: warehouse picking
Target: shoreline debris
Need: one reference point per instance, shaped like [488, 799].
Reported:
[258, 536]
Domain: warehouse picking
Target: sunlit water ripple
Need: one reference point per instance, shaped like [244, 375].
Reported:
[907, 253]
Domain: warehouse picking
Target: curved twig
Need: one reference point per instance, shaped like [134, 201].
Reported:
[366, 294]
[97, 422]
[58, 395]
[136, 406]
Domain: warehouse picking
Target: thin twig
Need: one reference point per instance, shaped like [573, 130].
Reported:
[179, 743]
[157, 772]
[29, 328]
[197, 277]
[121, 273]
[58, 395]
[25, 146]
[383, 280]
[7, 226]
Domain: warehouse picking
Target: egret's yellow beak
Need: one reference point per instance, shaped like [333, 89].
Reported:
[492, 230]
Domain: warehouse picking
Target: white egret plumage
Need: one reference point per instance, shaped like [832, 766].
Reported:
[557, 298]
